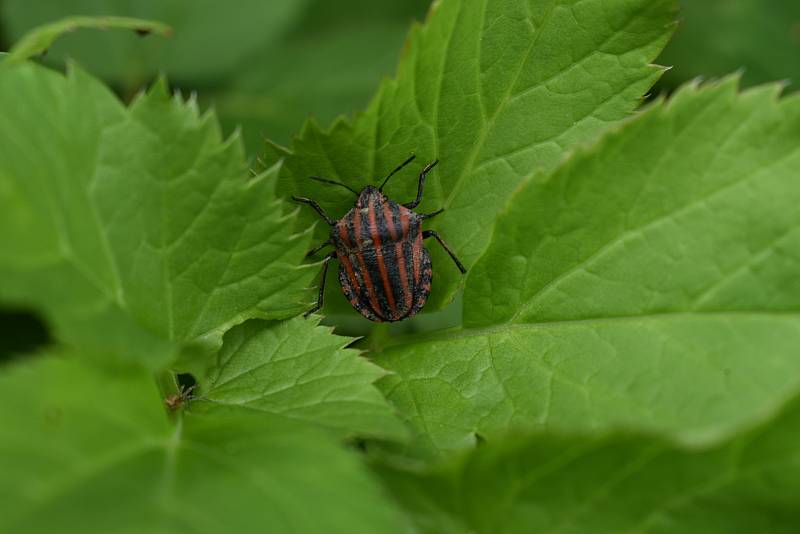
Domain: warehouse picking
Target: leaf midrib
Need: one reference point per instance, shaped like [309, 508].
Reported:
[470, 167]
[465, 333]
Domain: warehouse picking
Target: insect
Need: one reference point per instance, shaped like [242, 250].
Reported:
[185, 384]
[384, 269]
[176, 401]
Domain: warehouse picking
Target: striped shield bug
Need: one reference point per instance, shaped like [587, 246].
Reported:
[384, 269]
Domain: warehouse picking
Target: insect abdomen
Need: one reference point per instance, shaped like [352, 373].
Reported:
[384, 280]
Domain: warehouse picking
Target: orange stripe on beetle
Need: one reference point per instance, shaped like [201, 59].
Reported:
[366, 279]
[388, 213]
[378, 243]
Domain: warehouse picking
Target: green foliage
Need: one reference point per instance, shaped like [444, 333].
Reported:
[612, 483]
[761, 38]
[264, 66]
[630, 316]
[195, 52]
[328, 64]
[631, 286]
[40, 41]
[300, 371]
[492, 89]
[140, 233]
[88, 450]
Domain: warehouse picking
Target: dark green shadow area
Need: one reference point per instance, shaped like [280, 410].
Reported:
[21, 332]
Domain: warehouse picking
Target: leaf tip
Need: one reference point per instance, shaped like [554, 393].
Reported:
[159, 88]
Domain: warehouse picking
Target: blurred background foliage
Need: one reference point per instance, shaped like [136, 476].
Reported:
[265, 66]
[760, 38]
[262, 65]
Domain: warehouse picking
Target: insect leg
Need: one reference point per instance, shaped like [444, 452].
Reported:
[321, 296]
[414, 203]
[424, 216]
[318, 248]
[430, 233]
[313, 204]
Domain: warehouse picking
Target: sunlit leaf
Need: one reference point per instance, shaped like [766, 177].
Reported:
[137, 231]
[301, 371]
[651, 281]
[493, 90]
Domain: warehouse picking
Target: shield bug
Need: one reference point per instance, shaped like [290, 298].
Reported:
[384, 269]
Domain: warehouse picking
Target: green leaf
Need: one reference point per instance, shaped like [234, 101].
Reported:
[299, 370]
[667, 216]
[88, 450]
[494, 90]
[651, 281]
[40, 39]
[615, 483]
[137, 231]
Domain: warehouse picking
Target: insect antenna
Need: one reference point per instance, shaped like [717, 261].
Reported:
[406, 162]
[323, 180]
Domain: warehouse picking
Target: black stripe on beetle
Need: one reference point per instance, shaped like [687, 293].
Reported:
[384, 269]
